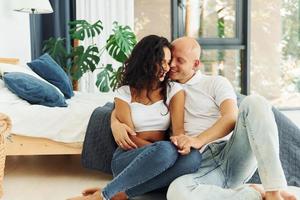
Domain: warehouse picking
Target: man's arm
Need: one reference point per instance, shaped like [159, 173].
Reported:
[221, 128]
[121, 133]
[124, 135]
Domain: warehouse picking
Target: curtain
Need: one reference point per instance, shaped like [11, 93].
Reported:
[107, 11]
[52, 25]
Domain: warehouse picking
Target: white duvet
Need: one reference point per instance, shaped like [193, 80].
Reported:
[67, 124]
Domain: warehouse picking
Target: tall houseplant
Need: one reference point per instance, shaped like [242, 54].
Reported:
[82, 59]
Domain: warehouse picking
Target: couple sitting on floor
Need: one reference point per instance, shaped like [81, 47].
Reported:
[213, 145]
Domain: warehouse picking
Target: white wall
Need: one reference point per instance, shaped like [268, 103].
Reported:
[14, 33]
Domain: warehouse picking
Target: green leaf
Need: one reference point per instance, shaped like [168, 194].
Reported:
[55, 47]
[103, 80]
[85, 60]
[120, 44]
[115, 78]
[79, 29]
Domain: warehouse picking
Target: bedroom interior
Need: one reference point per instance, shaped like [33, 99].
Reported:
[43, 143]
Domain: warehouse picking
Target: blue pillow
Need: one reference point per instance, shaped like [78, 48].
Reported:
[49, 70]
[33, 90]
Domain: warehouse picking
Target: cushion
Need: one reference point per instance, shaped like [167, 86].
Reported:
[33, 90]
[289, 149]
[49, 70]
[4, 68]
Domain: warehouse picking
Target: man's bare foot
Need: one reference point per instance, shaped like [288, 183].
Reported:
[259, 189]
[273, 195]
[287, 195]
[90, 191]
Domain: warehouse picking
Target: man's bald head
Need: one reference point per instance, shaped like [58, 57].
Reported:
[185, 59]
[189, 45]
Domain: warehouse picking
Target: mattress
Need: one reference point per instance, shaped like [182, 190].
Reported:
[63, 124]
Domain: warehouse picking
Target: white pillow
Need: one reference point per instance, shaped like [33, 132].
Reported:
[17, 68]
[24, 69]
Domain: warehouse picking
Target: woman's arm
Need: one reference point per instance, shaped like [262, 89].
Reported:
[177, 113]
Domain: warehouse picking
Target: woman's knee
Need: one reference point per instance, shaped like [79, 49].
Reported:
[195, 157]
[191, 162]
[166, 152]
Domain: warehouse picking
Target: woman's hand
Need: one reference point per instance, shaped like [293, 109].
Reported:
[121, 134]
[184, 143]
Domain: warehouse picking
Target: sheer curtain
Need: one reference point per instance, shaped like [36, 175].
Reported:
[107, 11]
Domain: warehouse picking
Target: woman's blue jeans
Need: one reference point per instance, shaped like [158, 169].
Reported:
[148, 168]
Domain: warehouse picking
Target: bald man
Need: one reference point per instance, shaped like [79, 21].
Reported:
[233, 143]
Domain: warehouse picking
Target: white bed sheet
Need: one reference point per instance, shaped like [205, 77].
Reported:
[66, 124]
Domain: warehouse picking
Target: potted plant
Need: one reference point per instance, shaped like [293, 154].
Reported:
[81, 59]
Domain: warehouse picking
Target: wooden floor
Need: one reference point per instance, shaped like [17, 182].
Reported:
[57, 177]
[48, 177]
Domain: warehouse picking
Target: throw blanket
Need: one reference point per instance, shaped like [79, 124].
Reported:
[99, 144]
[289, 144]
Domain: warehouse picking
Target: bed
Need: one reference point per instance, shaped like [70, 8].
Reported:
[41, 130]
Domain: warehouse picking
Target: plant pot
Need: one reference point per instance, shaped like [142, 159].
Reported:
[75, 85]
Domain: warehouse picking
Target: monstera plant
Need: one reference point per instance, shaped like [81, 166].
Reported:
[81, 59]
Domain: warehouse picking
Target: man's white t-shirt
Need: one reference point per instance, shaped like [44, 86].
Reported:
[204, 95]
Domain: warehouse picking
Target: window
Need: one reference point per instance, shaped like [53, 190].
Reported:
[222, 27]
[275, 51]
[218, 27]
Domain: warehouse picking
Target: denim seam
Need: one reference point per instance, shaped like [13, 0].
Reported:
[125, 170]
[225, 174]
[139, 158]
[128, 193]
[211, 169]
[188, 172]
[258, 154]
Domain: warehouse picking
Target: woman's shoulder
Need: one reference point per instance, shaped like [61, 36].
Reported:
[174, 86]
[123, 93]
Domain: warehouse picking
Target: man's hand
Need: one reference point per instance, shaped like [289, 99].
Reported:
[184, 143]
[121, 134]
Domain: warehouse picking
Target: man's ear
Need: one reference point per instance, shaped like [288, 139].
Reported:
[197, 65]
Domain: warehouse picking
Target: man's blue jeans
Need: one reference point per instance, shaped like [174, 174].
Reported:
[230, 164]
[148, 168]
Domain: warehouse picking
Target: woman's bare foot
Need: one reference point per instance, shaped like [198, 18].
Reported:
[90, 191]
[120, 196]
[273, 195]
[95, 196]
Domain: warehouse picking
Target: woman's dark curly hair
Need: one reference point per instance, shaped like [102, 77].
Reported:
[144, 65]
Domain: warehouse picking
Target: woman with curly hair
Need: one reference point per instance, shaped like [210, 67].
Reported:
[147, 102]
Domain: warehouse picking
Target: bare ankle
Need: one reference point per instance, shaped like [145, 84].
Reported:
[273, 195]
[120, 196]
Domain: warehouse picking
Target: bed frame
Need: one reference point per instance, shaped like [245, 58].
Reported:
[23, 145]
